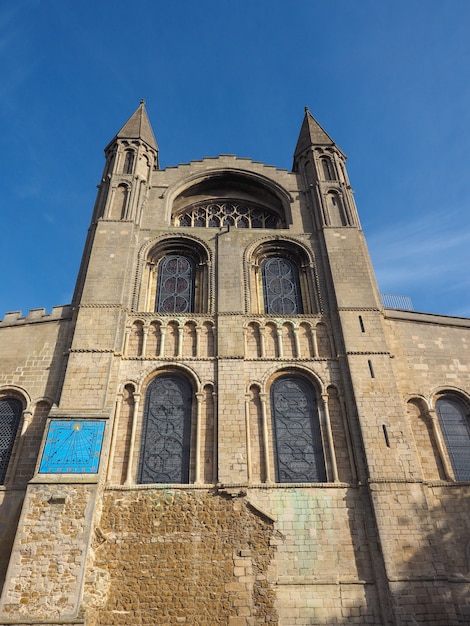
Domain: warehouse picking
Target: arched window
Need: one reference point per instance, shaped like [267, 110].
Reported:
[176, 277]
[281, 288]
[296, 428]
[119, 203]
[128, 162]
[328, 171]
[10, 413]
[283, 278]
[166, 431]
[335, 209]
[453, 418]
[175, 288]
[228, 213]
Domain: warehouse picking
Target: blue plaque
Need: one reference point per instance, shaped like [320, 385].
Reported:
[72, 447]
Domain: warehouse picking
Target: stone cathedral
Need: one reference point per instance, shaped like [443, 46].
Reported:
[227, 426]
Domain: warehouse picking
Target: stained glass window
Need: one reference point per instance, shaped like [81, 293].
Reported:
[297, 436]
[175, 288]
[455, 428]
[281, 286]
[10, 413]
[166, 431]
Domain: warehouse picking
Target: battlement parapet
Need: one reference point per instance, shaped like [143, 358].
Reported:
[15, 318]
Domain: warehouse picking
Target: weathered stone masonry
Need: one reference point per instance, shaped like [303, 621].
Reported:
[277, 447]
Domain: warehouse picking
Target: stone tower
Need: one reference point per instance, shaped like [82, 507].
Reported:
[226, 426]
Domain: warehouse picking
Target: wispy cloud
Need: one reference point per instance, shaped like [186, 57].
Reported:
[427, 255]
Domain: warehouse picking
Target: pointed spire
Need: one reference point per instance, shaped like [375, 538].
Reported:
[311, 134]
[138, 127]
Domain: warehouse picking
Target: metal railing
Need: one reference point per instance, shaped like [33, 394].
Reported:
[391, 301]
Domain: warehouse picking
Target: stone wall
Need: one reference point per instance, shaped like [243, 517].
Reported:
[181, 557]
[431, 352]
[237, 557]
[46, 570]
[32, 350]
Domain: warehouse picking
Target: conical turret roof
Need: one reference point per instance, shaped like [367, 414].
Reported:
[138, 127]
[311, 134]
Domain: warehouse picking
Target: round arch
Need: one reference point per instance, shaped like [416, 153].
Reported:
[150, 270]
[223, 182]
[296, 264]
[14, 391]
[452, 408]
[297, 370]
[12, 407]
[447, 390]
[177, 370]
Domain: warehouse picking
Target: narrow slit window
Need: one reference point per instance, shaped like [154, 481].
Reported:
[387, 440]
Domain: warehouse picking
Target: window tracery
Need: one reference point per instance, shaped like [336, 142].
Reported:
[283, 279]
[175, 289]
[281, 288]
[166, 431]
[175, 277]
[298, 443]
[228, 213]
[454, 421]
[10, 414]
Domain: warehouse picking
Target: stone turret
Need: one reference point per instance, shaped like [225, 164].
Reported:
[322, 166]
[130, 158]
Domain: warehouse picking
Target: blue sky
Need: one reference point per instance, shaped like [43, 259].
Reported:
[389, 81]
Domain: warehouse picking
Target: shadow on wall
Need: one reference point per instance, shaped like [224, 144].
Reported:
[10, 509]
[432, 582]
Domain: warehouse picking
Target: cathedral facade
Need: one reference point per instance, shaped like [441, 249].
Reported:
[227, 426]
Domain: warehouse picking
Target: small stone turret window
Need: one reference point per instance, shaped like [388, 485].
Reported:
[128, 162]
[10, 413]
[118, 206]
[328, 170]
[335, 210]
